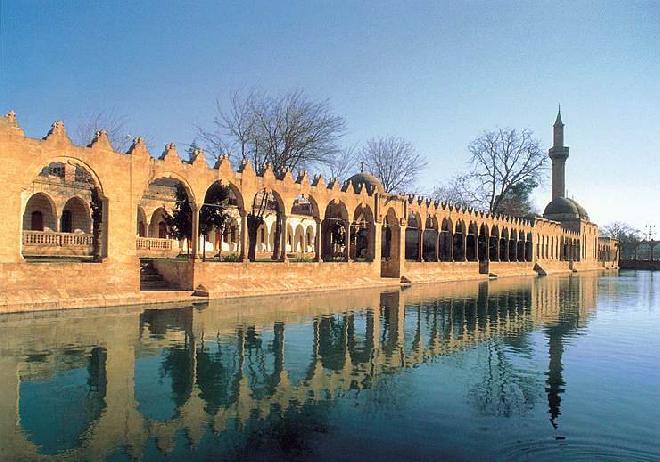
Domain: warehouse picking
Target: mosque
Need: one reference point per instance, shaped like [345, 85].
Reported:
[89, 226]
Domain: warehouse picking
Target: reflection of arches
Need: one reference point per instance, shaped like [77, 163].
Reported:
[43, 408]
[76, 217]
[40, 213]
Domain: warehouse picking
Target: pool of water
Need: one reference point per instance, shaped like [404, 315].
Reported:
[560, 367]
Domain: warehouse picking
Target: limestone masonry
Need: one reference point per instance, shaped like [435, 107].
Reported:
[87, 226]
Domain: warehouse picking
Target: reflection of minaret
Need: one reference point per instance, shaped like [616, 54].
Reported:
[558, 153]
[555, 382]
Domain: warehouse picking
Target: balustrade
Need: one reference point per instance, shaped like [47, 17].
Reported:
[46, 243]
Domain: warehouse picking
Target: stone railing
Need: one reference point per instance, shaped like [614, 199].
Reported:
[156, 247]
[47, 243]
[153, 243]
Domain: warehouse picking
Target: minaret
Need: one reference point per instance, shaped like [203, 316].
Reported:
[558, 153]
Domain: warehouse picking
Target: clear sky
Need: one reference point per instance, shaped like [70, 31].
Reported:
[436, 73]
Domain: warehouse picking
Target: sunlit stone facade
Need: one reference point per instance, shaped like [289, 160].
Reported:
[78, 219]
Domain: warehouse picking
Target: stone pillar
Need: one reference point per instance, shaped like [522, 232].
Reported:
[283, 255]
[244, 236]
[195, 232]
[317, 241]
[348, 241]
[376, 246]
[420, 245]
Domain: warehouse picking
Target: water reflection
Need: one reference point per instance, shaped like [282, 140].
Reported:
[215, 379]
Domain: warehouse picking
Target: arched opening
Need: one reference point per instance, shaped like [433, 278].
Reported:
[220, 223]
[75, 217]
[504, 245]
[171, 225]
[310, 239]
[391, 250]
[483, 241]
[494, 244]
[529, 248]
[446, 240]
[471, 243]
[513, 246]
[520, 250]
[336, 242]
[413, 231]
[78, 230]
[459, 241]
[362, 234]
[266, 212]
[142, 223]
[40, 213]
[430, 245]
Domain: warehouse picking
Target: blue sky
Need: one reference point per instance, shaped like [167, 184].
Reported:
[436, 73]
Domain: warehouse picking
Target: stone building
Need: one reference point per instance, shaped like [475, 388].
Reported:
[80, 222]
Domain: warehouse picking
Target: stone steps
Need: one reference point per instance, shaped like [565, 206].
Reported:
[150, 278]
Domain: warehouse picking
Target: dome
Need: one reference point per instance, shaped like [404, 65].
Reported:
[581, 211]
[366, 179]
[568, 208]
[561, 206]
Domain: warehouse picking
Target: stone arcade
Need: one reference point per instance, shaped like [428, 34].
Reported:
[78, 220]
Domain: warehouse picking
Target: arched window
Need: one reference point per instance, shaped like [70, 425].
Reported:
[66, 222]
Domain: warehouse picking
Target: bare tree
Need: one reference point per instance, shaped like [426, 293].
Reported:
[394, 161]
[288, 131]
[344, 163]
[628, 236]
[459, 190]
[505, 162]
[112, 123]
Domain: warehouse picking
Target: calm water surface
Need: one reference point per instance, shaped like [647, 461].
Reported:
[528, 369]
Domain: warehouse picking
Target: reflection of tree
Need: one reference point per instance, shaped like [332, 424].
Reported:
[504, 391]
[218, 372]
[178, 365]
[332, 342]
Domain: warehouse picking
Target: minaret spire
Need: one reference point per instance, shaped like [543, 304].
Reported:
[558, 153]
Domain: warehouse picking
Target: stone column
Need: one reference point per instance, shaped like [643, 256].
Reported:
[317, 241]
[195, 232]
[348, 241]
[244, 236]
[376, 247]
[283, 255]
[420, 245]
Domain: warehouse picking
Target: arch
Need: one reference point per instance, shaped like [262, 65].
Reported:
[471, 247]
[412, 237]
[43, 204]
[504, 245]
[520, 246]
[446, 239]
[305, 205]
[391, 250]
[483, 243]
[529, 248]
[493, 244]
[83, 213]
[76, 217]
[459, 241]
[310, 238]
[362, 234]
[335, 232]
[267, 205]
[142, 223]
[158, 224]
[430, 239]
